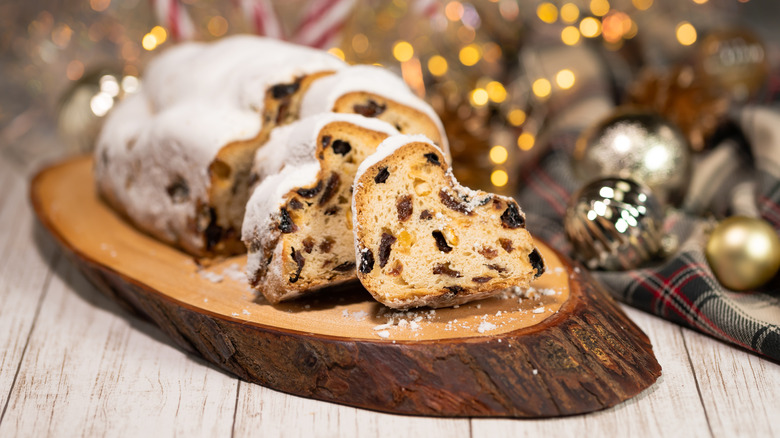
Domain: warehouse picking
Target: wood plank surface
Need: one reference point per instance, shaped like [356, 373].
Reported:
[91, 369]
[24, 271]
[740, 391]
[273, 412]
[671, 407]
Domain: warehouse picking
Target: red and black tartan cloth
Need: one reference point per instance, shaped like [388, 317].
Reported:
[682, 288]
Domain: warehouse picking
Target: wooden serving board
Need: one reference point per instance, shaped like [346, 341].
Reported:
[561, 348]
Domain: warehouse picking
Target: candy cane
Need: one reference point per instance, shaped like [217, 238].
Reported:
[173, 16]
[322, 22]
[426, 8]
[263, 18]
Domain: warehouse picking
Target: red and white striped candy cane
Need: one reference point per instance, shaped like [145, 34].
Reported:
[173, 15]
[426, 8]
[322, 22]
[263, 18]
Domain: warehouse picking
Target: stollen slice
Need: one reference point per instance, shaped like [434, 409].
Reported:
[422, 239]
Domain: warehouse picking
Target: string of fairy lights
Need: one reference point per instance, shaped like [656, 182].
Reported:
[470, 65]
[577, 21]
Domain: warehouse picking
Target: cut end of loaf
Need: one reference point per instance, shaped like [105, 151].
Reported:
[309, 244]
[424, 240]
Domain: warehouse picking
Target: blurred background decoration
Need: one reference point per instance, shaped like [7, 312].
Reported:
[499, 72]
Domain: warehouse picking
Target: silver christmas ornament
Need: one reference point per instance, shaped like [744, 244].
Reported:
[641, 146]
[614, 224]
[84, 106]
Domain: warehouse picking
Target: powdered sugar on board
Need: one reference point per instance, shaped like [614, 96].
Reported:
[479, 317]
[233, 272]
[350, 311]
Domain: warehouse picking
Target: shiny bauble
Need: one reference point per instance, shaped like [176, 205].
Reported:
[85, 105]
[743, 252]
[614, 224]
[733, 60]
[636, 145]
[680, 95]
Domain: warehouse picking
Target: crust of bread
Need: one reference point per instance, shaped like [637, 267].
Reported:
[405, 119]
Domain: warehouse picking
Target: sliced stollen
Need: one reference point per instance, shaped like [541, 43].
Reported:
[175, 158]
[422, 239]
[298, 221]
[372, 91]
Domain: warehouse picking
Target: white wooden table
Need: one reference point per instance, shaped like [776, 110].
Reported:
[73, 363]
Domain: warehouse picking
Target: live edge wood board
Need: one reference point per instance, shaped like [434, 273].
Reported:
[564, 349]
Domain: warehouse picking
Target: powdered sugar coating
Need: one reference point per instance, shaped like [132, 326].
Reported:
[263, 206]
[196, 98]
[233, 71]
[322, 95]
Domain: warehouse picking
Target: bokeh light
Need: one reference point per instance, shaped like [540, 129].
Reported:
[590, 27]
[75, 70]
[498, 154]
[160, 34]
[499, 178]
[570, 13]
[496, 91]
[525, 141]
[642, 5]
[217, 26]
[686, 33]
[541, 87]
[599, 8]
[516, 117]
[565, 79]
[570, 35]
[403, 51]
[99, 5]
[615, 26]
[479, 97]
[437, 65]
[547, 12]
[149, 42]
[360, 43]
[453, 11]
[469, 55]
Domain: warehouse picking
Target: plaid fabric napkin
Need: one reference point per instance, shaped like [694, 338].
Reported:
[733, 176]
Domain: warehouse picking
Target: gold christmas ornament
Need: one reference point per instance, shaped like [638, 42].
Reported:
[734, 60]
[614, 224]
[636, 145]
[743, 252]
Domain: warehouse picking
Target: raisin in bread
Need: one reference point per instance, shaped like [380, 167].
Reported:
[298, 222]
[175, 158]
[372, 91]
[422, 239]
